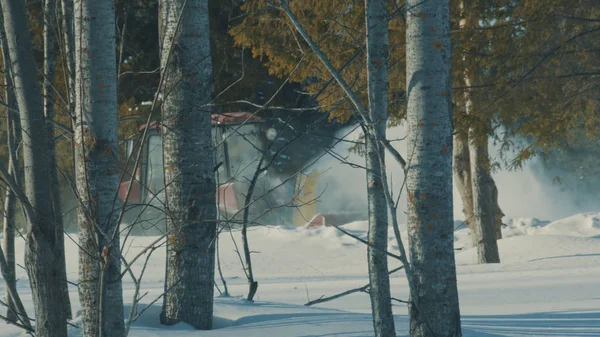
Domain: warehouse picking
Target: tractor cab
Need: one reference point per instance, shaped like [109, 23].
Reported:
[238, 142]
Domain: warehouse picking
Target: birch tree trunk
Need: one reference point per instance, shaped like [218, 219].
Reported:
[435, 310]
[188, 160]
[49, 65]
[41, 245]
[10, 199]
[377, 68]
[100, 288]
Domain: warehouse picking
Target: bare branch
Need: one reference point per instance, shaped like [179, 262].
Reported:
[397, 257]
[347, 292]
[362, 111]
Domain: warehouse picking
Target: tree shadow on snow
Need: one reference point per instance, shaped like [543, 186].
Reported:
[299, 321]
[563, 257]
[564, 324]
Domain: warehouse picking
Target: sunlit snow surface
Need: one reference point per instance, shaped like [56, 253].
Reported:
[548, 283]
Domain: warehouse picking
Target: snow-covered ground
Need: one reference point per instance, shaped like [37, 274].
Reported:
[548, 283]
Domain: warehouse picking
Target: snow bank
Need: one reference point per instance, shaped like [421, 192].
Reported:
[583, 225]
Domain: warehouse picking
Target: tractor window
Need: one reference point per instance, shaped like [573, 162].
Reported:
[129, 147]
[244, 149]
[131, 150]
[220, 156]
[155, 177]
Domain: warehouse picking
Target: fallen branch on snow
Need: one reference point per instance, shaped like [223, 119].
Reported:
[351, 291]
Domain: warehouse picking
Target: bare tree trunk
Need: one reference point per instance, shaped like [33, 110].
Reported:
[188, 161]
[41, 245]
[498, 214]
[461, 167]
[9, 227]
[49, 65]
[483, 210]
[10, 201]
[482, 219]
[100, 287]
[461, 164]
[377, 67]
[15, 311]
[435, 310]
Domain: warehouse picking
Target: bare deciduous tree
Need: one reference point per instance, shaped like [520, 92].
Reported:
[41, 244]
[484, 219]
[97, 176]
[188, 162]
[49, 114]
[377, 68]
[10, 200]
[471, 168]
[434, 307]
[373, 121]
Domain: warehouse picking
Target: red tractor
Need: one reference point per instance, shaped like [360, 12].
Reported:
[282, 195]
[238, 144]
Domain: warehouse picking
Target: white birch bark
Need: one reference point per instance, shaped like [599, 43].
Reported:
[377, 69]
[41, 245]
[188, 162]
[96, 170]
[435, 310]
